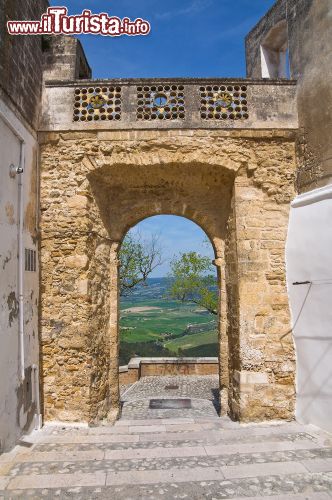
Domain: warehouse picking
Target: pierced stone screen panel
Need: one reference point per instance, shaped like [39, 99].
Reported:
[97, 103]
[223, 102]
[160, 102]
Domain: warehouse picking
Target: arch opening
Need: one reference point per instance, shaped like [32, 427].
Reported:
[169, 314]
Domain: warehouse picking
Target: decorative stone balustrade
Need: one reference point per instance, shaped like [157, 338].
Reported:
[177, 103]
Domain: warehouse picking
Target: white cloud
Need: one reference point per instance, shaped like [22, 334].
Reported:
[193, 8]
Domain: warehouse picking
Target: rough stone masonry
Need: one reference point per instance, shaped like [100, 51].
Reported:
[95, 185]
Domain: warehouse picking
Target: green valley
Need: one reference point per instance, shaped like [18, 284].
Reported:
[151, 325]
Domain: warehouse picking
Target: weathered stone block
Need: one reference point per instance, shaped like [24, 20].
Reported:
[76, 261]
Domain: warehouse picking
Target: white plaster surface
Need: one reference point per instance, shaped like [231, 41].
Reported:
[13, 417]
[309, 258]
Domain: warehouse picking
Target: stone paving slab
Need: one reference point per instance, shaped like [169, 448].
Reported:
[302, 496]
[157, 421]
[53, 456]
[156, 452]
[290, 487]
[164, 476]
[139, 409]
[318, 465]
[217, 436]
[256, 470]
[193, 386]
[151, 428]
[259, 447]
[106, 438]
[56, 480]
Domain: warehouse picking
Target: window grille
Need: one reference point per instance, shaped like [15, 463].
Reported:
[160, 102]
[30, 260]
[97, 103]
[224, 102]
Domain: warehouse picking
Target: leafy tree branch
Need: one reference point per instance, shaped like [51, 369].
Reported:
[190, 281]
[138, 259]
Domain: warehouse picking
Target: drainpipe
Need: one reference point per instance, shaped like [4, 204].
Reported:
[19, 171]
[13, 172]
[38, 416]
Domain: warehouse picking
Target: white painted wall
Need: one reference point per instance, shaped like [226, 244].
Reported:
[309, 258]
[13, 416]
[274, 63]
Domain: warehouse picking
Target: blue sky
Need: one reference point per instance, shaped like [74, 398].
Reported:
[176, 235]
[189, 38]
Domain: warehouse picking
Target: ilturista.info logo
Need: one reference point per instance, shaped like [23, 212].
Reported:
[56, 21]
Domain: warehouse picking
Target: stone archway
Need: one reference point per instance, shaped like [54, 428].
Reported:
[153, 190]
[162, 363]
[238, 190]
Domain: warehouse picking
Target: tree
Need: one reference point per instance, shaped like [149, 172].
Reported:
[138, 258]
[190, 281]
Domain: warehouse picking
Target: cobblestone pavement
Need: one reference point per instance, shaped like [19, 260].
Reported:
[202, 390]
[180, 458]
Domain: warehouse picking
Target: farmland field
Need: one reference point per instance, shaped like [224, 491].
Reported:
[151, 325]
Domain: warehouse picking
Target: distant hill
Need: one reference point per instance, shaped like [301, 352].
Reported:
[152, 325]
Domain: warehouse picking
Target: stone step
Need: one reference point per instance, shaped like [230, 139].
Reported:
[198, 459]
[146, 477]
[169, 421]
[280, 487]
[222, 450]
[138, 427]
[206, 436]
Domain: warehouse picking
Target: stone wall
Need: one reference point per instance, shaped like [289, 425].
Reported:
[75, 271]
[20, 98]
[185, 368]
[21, 58]
[95, 186]
[312, 31]
[308, 30]
[264, 380]
[255, 38]
[64, 59]
[149, 367]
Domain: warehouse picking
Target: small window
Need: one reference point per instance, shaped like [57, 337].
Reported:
[30, 260]
[274, 53]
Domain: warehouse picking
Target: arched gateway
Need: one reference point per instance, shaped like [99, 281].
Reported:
[103, 170]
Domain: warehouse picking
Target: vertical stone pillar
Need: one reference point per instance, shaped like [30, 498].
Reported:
[263, 377]
[66, 257]
[114, 394]
[232, 310]
[219, 262]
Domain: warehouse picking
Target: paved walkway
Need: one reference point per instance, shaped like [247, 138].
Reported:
[202, 390]
[188, 458]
